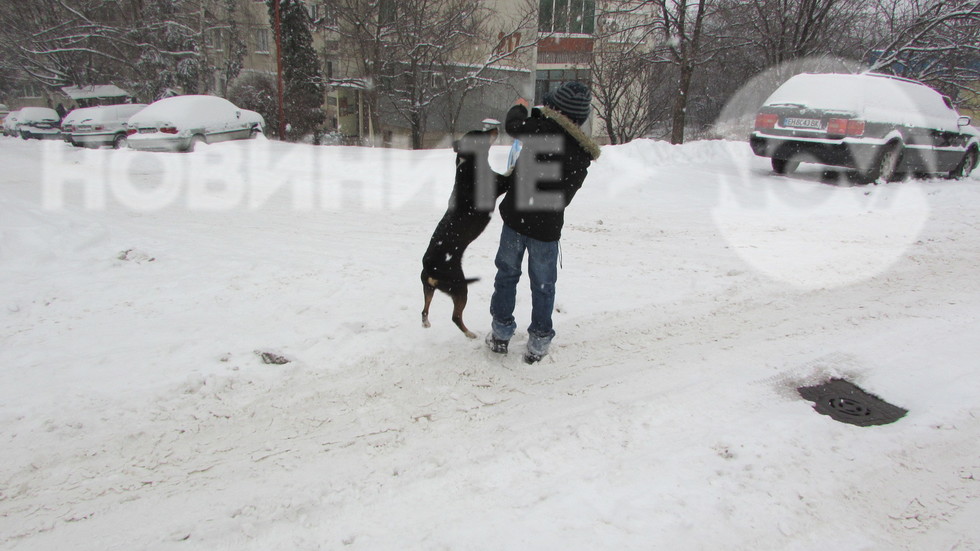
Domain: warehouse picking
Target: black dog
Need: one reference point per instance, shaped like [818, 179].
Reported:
[471, 205]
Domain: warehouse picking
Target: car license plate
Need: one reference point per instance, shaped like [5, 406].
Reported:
[147, 130]
[792, 122]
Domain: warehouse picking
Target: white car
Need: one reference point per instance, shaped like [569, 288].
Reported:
[180, 122]
[883, 126]
[10, 123]
[38, 122]
[98, 126]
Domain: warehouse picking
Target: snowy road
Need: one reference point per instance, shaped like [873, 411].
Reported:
[697, 292]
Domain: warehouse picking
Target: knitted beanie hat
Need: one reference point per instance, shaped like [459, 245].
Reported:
[572, 99]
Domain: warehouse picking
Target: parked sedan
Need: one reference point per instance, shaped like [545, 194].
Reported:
[10, 123]
[41, 123]
[181, 122]
[98, 126]
[883, 126]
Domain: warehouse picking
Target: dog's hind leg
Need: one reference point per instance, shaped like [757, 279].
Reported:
[459, 304]
[427, 292]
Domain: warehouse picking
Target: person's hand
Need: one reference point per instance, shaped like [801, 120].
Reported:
[522, 101]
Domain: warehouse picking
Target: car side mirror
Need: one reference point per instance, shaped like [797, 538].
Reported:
[238, 114]
[964, 121]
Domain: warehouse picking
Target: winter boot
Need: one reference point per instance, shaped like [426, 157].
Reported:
[496, 345]
[530, 357]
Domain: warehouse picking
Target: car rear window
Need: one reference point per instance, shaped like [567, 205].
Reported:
[825, 92]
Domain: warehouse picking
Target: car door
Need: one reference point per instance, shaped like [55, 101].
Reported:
[943, 137]
[224, 128]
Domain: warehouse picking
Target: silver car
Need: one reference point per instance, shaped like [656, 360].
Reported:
[10, 123]
[40, 123]
[99, 126]
[883, 126]
[181, 122]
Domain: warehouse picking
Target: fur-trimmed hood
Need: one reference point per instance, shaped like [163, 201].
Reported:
[574, 131]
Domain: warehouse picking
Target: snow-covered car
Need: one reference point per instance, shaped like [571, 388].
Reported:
[42, 123]
[10, 123]
[882, 126]
[180, 122]
[98, 126]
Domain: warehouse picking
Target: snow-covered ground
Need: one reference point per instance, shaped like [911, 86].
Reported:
[698, 291]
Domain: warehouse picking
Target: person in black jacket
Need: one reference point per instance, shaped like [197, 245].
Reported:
[552, 166]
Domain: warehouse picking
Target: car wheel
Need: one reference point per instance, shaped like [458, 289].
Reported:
[886, 164]
[784, 166]
[24, 135]
[966, 166]
[197, 139]
[119, 142]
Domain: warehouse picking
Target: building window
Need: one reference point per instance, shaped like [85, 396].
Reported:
[331, 13]
[566, 16]
[213, 40]
[547, 80]
[388, 12]
[324, 14]
[262, 41]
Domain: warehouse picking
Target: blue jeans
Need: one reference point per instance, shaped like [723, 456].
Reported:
[542, 267]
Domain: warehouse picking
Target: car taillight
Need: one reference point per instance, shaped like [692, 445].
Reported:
[99, 127]
[855, 128]
[168, 130]
[130, 131]
[845, 127]
[766, 120]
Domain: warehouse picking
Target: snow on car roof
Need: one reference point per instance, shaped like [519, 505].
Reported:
[187, 110]
[105, 112]
[38, 113]
[94, 91]
[873, 97]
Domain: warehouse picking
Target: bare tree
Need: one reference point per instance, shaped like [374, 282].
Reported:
[427, 35]
[680, 25]
[772, 32]
[415, 58]
[625, 91]
[623, 85]
[513, 46]
[56, 43]
[935, 41]
[148, 46]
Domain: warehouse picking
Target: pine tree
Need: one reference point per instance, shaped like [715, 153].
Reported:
[169, 56]
[302, 80]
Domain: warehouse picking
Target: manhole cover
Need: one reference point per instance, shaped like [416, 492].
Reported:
[847, 403]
